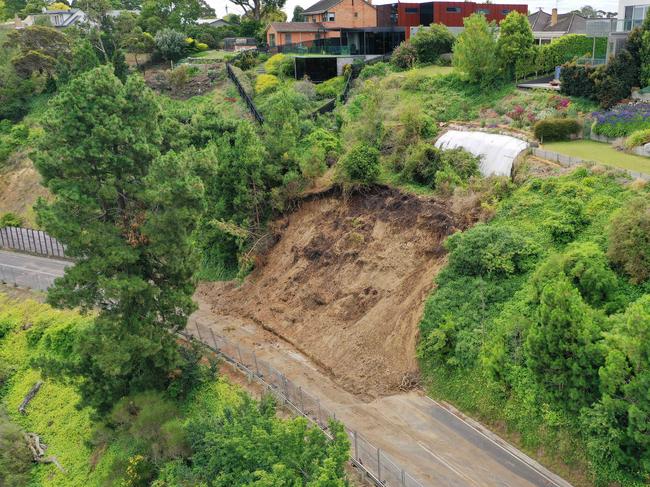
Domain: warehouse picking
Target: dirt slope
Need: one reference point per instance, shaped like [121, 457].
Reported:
[20, 188]
[346, 283]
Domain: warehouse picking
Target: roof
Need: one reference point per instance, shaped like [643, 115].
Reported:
[321, 6]
[570, 23]
[297, 26]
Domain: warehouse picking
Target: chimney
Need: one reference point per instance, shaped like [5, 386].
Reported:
[553, 17]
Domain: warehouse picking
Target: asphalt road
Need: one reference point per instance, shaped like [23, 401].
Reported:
[432, 441]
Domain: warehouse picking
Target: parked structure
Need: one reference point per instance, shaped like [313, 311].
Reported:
[547, 27]
[412, 15]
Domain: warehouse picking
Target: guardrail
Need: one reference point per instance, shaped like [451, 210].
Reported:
[30, 241]
[378, 467]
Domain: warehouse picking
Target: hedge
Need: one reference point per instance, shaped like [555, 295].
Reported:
[569, 47]
[556, 128]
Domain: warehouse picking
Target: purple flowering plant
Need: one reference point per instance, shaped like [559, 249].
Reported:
[622, 120]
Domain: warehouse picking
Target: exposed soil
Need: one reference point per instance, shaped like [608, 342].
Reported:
[346, 283]
[207, 78]
[20, 187]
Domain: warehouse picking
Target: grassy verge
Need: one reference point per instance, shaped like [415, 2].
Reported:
[599, 152]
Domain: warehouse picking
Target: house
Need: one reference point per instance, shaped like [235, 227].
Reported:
[213, 22]
[547, 27]
[413, 15]
[55, 18]
[323, 20]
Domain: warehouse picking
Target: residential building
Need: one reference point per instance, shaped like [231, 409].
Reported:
[547, 27]
[412, 15]
[55, 18]
[631, 14]
[212, 22]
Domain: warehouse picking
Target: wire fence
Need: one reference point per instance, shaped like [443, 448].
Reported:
[379, 467]
[31, 241]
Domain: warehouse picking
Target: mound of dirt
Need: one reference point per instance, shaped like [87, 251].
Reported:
[345, 283]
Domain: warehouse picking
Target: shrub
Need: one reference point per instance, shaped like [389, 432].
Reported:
[404, 56]
[577, 81]
[272, 66]
[430, 42]
[629, 245]
[10, 220]
[372, 70]
[287, 67]
[556, 128]
[639, 137]
[265, 83]
[170, 44]
[243, 80]
[614, 82]
[421, 164]
[15, 457]
[179, 77]
[331, 88]
[622, 120]
[567, 48]
[305, 88]
[360, 165]
[245, 60]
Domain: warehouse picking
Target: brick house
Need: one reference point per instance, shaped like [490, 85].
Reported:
[323, 20]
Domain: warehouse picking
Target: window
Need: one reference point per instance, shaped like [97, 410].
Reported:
[329, 17]
[411, 10]
[483, 11]
[287, 38]
[272, 40]
[453, 10]
[505, 11]
[356, 14]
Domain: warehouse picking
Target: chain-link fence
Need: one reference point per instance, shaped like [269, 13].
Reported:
[376, 464]
[33, 279]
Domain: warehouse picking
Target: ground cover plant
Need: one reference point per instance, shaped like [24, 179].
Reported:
[622, 120]
[529, 320]
[202, 431]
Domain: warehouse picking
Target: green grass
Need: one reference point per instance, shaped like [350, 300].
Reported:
[601, 153]
[211, 54]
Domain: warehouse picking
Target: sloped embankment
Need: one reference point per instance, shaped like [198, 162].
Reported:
[346, 283]
[20, 187]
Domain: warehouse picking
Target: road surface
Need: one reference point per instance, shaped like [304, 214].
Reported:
[29, 270]
[431, 441]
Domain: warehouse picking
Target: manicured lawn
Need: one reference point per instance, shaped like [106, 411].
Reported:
[600, 152]
[212, 54]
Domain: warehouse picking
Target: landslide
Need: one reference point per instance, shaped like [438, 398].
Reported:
[345, 282]
[20, 187]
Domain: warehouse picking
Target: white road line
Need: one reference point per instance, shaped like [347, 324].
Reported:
[519, 459]
[446, 464]
[36, 271]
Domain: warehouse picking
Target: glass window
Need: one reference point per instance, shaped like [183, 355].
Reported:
[483, 11]
[453, 9]
[505, 11]
[329, 17]
[272, 40]
[411, 10]
[287, 38]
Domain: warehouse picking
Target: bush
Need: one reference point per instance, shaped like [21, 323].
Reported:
[170, 44]
[421, 164]
[556, 128]
[404, 56]
[567, 48]
[360, 165]
[245, 60]
[430, 42]
[179, 77]
[331, 88]
[614, 82]
[576, 80]
[265, 83]
[10, 220]
[629, 246]
[15, 457]
[371, 70]
[272, 66]
[637, 138]
[305, 88]
[622, 120]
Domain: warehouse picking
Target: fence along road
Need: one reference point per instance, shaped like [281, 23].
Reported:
[439, 448]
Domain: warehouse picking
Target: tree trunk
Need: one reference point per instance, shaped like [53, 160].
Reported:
[30, 395]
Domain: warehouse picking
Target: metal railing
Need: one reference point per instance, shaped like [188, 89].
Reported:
[379, 467]
[242, 92]
[31, 241]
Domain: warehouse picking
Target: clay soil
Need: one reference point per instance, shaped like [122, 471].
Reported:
[345, 283]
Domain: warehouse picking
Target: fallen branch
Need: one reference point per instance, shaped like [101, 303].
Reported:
[30, 395]
[38, 451]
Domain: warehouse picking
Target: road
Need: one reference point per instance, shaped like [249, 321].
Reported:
[433, 442]
[29, 270]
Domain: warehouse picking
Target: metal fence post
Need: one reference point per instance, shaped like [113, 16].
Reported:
[214, 340]
[302, 402]
[198, 332]
[241, 361]
[286, 386]
[403, 478]
[319, 411]
[356, 445]
[257, 369]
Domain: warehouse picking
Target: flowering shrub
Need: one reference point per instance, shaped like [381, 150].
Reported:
[622, 120]
[266, 83]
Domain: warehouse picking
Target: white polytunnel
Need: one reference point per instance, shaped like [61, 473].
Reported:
[497, 152]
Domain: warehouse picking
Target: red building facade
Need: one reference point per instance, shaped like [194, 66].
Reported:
[450, 14]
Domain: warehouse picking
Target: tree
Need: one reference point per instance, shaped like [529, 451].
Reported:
[39, 48]
[125, 214]
[255, 8]
[619, 422]
[297, 14]
[430, 42]
[629, 243]
[515, 44]
[170, 44]
[139, 42]
[475, 51]
[360, 166]
[562, 347]
[173, 14]
[589, 12]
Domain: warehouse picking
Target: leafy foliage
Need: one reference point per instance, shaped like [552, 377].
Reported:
[515, 45]
[170, 44]
[404, 56]
[360, 166]
[475, 51]
[629, 246]
[556, 128]
[432, 41]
